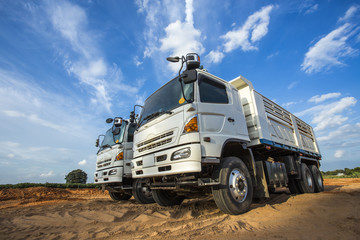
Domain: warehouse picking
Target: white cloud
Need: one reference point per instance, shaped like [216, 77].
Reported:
[35, 119]
[182, 37]
[26, 102]
[158, 15]
[321, 98]
[272, 55]
[44, 154]
[48, 174]
[71, 20]
[349, 13]
[312, 9]
[86, 63]
[170, 31]
[334, 48]
[214, 57]
[339, 153]
[343, 136]
[252, 31]
[288, 104]
[137, 62]
[329, 51]
[82, 162]
[329, 115]
[292, 85]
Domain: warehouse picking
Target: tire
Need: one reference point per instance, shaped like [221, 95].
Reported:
[318, 179]
[306, 183]
[235, 192]
[271, 190]
[119, 196]
[294, 187]
[166, 197]
[142, 192]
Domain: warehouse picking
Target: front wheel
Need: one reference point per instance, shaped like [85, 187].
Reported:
[142, 192]
[118, 196]
[234, 193]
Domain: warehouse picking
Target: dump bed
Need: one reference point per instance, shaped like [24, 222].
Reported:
[270, 124]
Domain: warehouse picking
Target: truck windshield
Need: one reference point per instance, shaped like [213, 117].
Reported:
[165, 99]
[113, 136]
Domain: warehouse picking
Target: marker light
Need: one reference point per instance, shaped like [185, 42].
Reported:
[192, 61]
[191, 125]
[120, 156]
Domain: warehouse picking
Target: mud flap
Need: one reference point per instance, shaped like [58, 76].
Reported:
[261, 189]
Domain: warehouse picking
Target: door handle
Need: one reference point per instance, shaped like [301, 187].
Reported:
[231, 119]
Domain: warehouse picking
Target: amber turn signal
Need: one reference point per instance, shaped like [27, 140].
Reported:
[191, 126]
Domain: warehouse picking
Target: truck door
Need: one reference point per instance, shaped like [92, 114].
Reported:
[220, 114]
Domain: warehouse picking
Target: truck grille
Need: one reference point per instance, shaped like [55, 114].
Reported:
[154, 142]
[104, 163]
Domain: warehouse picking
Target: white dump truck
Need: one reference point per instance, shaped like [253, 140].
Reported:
[113, 164]
[200, 135]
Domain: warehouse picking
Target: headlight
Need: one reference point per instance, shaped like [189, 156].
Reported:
[120, 156]
[191, 125]
[181, 154]
[113, 172]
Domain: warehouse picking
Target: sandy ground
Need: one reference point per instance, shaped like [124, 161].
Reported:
[42, 213]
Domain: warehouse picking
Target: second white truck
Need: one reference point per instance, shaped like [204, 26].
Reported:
[113, 171]
[199, 135]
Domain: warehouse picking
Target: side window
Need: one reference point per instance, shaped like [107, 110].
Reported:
[212, 92]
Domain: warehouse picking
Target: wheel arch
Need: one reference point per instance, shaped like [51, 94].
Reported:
[238, 148]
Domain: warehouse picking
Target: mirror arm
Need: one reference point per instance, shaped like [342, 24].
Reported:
[183, 60]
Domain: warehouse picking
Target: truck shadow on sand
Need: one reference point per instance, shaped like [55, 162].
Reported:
[194, 208]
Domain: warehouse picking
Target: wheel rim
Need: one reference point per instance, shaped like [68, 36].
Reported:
[146, 191]
[238, 185]
[309, 179]
[318, 179]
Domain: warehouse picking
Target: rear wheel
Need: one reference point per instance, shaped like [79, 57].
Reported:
[318, 179]
[118, 196]
[142, 192]
[234, 193]
[306, 183]
[166, 197]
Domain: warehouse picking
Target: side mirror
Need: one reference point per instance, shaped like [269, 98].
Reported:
[189, 76]
[97, 143]
[109, 120]
[173, 59]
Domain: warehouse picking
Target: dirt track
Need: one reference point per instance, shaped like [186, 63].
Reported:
[40, 213]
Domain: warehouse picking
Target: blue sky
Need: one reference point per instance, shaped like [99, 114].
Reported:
[66, 66]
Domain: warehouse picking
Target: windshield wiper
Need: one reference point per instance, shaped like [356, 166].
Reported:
[105, 146]
[155, 114]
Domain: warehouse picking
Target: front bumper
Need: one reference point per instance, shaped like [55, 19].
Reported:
[160, 164]
[103, 176]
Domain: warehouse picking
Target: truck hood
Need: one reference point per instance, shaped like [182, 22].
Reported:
[163, 132]
[106, 157]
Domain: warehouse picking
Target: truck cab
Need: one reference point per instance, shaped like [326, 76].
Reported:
[200, 135]
[113, 163]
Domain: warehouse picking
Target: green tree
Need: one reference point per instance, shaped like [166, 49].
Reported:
[76, 176]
